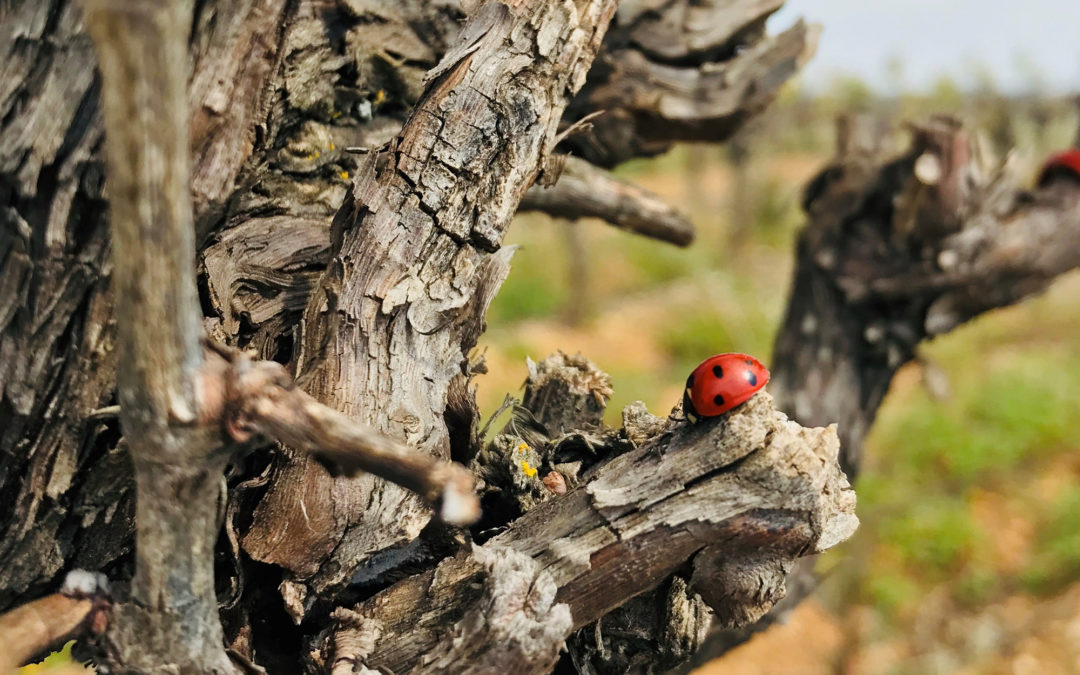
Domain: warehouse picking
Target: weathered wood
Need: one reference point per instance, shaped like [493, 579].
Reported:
[432, 214]
[171, 619]
[585, 191]
[550, 441]
[899, 250]
[261, 398]
[57, 357]
[71, 491]
[278, 88]
[566, 393]
[752, 485]
[684, 70]
[653, 632]
[236, 51]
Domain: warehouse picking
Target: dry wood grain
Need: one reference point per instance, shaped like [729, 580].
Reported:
[277, 90]
[683, 70]
[432, 209]
[730, 504]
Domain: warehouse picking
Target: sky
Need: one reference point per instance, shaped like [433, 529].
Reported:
[1026, 46]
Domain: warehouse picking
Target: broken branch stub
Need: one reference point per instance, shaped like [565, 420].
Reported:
[586, 191]
[738, 499]
[262, 398]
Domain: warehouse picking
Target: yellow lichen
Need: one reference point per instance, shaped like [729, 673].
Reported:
[380, 96]
[529, 471]
[344, 175]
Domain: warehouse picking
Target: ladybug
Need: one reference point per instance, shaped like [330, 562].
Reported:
[720, 383]
[1064, 164]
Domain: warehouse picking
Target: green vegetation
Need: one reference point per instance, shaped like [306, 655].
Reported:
[1056, 560]
[998, 443]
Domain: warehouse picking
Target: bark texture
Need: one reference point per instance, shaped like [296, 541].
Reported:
[678, 70]
[898, 250]
[374, 310]
[432, 209]
[726, 506]
[57, 340]
[72, 489]
[169, 621]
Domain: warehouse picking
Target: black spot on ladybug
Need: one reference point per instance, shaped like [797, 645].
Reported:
[751, 378]
[748, 362]
[718, 371]
[718, 399]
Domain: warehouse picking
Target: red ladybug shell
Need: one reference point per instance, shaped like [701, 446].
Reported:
[1065, 163]
[722, 382]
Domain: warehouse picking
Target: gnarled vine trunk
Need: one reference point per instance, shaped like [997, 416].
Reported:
[353, 168]
[367, 273]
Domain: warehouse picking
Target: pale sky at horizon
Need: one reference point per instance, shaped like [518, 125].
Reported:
[1036, 47]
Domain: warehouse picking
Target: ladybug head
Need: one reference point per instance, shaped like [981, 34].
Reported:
[1062, 166]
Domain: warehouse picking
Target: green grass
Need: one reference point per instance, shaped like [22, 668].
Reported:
[1057, 558]
[538, 285]
[1007, 422]
[935, 537]
[892, 593]
[699, 334]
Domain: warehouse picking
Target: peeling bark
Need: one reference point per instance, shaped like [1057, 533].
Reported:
[72, 490]
[433, 208]
[730, 504]
[57, 352]
[684, 71]
[278, 90]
